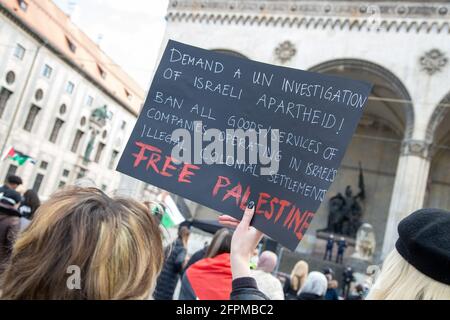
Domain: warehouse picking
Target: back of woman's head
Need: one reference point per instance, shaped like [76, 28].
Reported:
[31, 199]
[221, 243]
[299, 274]
[419, 266]
[399, 280]
[316, 283]
[115, 243]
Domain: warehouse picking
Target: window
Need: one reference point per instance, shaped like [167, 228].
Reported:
[44, 165]
[98, 155]
[114, 156]
[101, 71]
[81, 174]
[70, 87]
[71, 45]
[66, 173]
[10, 77]
[23, 5]
[123, 125]
[47, 72]
[5, 94]
[38, 182]
[62, 109]
[76, 142]
[31, 118]
[61, 184]
[19, 52]
[39, 95]
[104, 187]
[56, 130]
[89, 101]
[12, 170]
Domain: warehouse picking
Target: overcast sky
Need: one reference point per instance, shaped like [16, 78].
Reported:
[132, 30]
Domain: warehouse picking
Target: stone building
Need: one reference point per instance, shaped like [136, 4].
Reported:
[402, 47]
[54, 84]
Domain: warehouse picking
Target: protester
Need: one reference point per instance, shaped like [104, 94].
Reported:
[112, 246]
[210, 278]
[8, 194]
[358, 294]
[332, 292]
[245, 239]
[173, 266]
[297, 279]
[315, 287]
[266, 282]
[419, 266]
[30, 203]
[9, 217]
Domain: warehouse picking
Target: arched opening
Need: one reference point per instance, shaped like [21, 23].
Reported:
[438, 133]
[230, 53]
[387, 121]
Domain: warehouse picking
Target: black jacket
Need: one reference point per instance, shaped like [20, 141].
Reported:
[246, 289]
[173, 266]
[309, 296]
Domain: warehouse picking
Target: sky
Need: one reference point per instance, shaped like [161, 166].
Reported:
[131, 31]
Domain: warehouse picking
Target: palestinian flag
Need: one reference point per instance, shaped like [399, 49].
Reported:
[18, 157]
[172, 215]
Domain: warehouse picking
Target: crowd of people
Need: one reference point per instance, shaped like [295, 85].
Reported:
[117, 244]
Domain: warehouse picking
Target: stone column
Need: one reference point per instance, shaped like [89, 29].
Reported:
[409, 188]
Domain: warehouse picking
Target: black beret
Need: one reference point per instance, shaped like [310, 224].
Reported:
[424, 241]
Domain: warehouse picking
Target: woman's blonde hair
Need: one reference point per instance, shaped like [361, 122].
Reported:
[399, 280]
[299, 275]
[115, 243]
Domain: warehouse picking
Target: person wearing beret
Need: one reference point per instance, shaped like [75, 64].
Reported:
[419, 266]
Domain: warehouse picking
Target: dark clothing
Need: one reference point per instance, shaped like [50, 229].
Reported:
[9, 228]
[348, 279]
[342, 245]
[208, 279]
[9, 196]
[309, 296]
[355, 297]
[329, 250]
[289, 293]
[199, 255]
[246, 289]
[331, 294]
[172, 268]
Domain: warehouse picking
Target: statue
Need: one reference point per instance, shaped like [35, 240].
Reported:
[345, 212]
[365, 243]
[101, 114]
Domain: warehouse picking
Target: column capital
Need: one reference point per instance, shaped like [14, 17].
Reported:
[418, 148]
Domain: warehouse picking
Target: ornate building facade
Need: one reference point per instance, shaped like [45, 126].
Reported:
[402, 47]
[63, 102]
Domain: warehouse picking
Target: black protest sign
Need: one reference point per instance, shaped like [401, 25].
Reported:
[302, 123]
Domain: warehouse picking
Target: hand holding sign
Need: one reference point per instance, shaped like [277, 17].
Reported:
[245, 240]
[220, 130]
